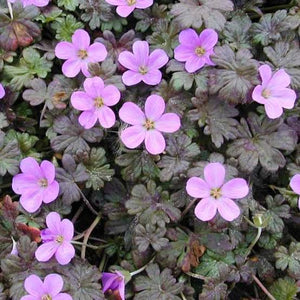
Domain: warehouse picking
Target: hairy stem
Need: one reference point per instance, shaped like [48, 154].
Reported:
[198, 276]
[142, 268]
[87, 203]
[188, 207]
[259, 283]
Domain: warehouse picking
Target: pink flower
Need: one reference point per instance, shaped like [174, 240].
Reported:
[114, 282]
[273, 92]
[196, 50]
[49, 289]
[36, 184]
[147, 126]
[141, 65]
[126, 7]
[79, 53]
[215, 194]
[56, 240]
[2, 91]
[295, 185]
[95, 102]
[39, 3]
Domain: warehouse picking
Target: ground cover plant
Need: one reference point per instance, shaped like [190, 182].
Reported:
[149, 149]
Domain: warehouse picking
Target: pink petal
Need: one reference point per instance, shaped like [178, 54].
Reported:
[111, 95]
[194, 63]
[265, 73]
[85, 68]
[214, 174]
[132, 114]
[235, 188]
[273, 110]
[67, 229]
[144, 3]
[93, 86]
[30, 166]
[131, 77]
[71, 67]
[128, 60]
[228, 209]
[2, 91]
[46, 251]
[154, 107]
[188, 37]
[197, 187]
[125, 10]
[107, 280]
[154, 142]
[53, 221]
[208, 38]
[141, 52]
[168, 122]
[33, 285]
[133, 136]
[206, 209]
[285, 97]
[65, 50]
[51, 192]
[106, 117]
[81, 39]
[53, 284]
[88, 119]
[29, 297]
[65, 253]
[97, 52]
[257, 95]
[157, 59]
[48, 170]
[62, 296]
[31, 200]
[82, 101]
[280, 79]
[23, 182]
[153, 77]
[116, 2]
[295, 183]
[183, 52]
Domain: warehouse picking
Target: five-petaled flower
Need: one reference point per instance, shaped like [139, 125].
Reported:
[47, 290]
[114, 283]
[147, 126]
[56, 240]
[39, 3]
[196, 50]
[79, 53]
[2, 91]
[141, 65]
[295, 185]
[36, 184]
[273, 92]
[95, 102]
[215, 194]
[126, 7]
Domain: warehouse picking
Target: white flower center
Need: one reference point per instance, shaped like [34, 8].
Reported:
[82, 54]
[149, 124]
[43, 182]
[143, 70]
[131, 2]
[200, 51]
[98, 102]
[266, 93]
[46, 297]
[59, 239]
[215, 193]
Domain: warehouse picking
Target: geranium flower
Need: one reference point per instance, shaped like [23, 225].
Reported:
[295, 185]
[273, 92]
[196, 50]
[36, 184]
[149, 125]
[95, 102]
[39, 3]
[56, 240]
[2, 91]
[126, 7]
[47, 290]
[79, 53]
[216, 195]
[114, 282]
[141, 65]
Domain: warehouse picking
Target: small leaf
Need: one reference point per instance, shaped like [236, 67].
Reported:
[284, 289]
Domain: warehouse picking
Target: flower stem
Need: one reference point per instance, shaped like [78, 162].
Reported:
[188, 207]
[259, 283]
[198, 276]
[259, 231]
[87, 234]
[142, 268]
[88, 204]
[10, 9]
[182, 296]
[82, 244]
[102, 262]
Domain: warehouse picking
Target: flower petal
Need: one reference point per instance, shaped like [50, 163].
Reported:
[133, 136]
[23, 183]
[65, 253]
[29, 297]
[63, 296]
[93, 86]
[106, 117]
[157, 59]
[53, 221]
[273, 110]
[168, 122]
[46, 251]
[31, 200]
[141, 52]
[155, 142]
[197, 187]
[81, 39]
[30, 165]
[132, 77]
[2, 91]
[154, 107]
[53, 284]
[188, 37]
[194, 63]
[131, 114]
[214, 174]
[82, 101]
[144, 3]
[125, 10]
[71, 67]
[208, 38]
[284, 97]
[257, 95]
[111, 95]
[33, 285]
[228, 209]
[48, 170]
[235, 188]
[51, 192]
[65, 50]
[67, 229]
[295, 183]
[279, 79]
[206, 209]
[128, 60]
[88, 119]
[107, 280]
[183, 52]
[153, 77]
[265, 73]
[97, 52]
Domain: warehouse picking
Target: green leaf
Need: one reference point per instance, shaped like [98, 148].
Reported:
[68, 4]
[284, 289]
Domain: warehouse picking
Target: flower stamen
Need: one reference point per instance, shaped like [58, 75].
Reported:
[143, 70]
[82, 54]
[59, 239]
[131, 2]
[215, 193]
[43, 182]
[266, 93]
[200, 51]
[46, 297]
[149, 124]
[99, 102]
